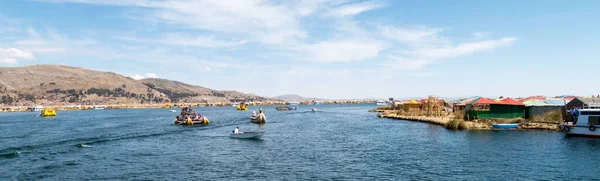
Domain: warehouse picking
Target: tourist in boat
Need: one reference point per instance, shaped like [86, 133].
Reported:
[254, 114]
[176, 118]
[261, 116]
[236, 130]
[193, 115]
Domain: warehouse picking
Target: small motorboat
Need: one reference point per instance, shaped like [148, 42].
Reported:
[314, 109]
[172, 110]
[247, 135]
[100, 107]
[505, 126]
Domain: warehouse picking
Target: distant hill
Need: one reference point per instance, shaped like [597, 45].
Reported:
[293, 97]
[55, 84]
[180, 91]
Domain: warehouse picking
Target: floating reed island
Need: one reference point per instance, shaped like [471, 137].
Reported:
[478, 113]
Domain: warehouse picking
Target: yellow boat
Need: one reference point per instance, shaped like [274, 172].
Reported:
[46, 112]
[242, 107]
[189, 121]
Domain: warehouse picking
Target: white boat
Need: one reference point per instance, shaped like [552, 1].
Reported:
[100, 107]
[382, 103]
[293, 103]
[37, 108]
[247, 135]
[172, 110]
[588, 121]
[235, 105]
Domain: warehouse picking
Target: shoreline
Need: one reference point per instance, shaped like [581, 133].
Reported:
[469, 125]
[6, 109]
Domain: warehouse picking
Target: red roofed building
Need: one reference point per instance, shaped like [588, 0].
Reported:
[495, 108]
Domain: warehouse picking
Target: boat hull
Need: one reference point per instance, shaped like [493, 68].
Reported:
[505, 126]
[581, 131]
[247, 135]
[257, 121]
[194, 122]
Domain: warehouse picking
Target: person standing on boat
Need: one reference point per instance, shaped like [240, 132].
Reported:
[575, 115]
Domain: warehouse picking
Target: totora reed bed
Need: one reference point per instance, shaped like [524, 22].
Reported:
[454, 121]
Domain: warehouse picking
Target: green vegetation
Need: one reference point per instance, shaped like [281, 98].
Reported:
[174, 96]
[6, 99]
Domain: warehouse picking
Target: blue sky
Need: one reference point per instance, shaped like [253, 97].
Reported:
[315, 48]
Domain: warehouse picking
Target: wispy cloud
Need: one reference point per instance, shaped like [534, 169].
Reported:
[356, 8]
[179, 39]
[344, 50]
[413, 36]
[420, 57]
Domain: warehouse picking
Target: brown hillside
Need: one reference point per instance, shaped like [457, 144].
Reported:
[183, 92]
[38, 79]
[57, 84]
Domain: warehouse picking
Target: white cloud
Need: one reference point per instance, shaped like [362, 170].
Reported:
[420, 57]
[147, 75]
[356, 8]
[137, 77]
[462, 49]
[151, 75]
[344, 50]
[257, 18]
[11, 55]
[179, 39]
[413, 36]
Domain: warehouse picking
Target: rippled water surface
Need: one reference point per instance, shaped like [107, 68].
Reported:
[340, 142]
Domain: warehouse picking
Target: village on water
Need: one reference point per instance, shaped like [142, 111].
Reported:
[574, 115]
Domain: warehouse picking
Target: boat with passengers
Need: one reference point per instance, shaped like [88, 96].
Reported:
[190, 117]
[584, 122]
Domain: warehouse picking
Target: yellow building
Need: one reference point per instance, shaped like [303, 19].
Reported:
[411, 106]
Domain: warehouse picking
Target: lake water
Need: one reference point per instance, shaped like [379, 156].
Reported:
[340, 142]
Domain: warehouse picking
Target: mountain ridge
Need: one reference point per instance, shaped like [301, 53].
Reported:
[51, 84]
